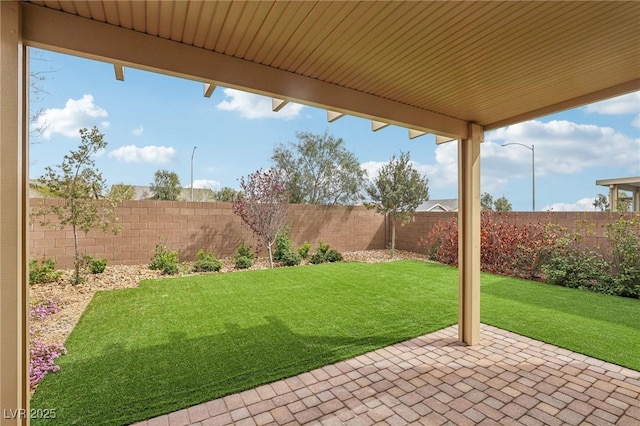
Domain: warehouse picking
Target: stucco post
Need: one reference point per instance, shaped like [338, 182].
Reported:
[469, 236]
[14, 380]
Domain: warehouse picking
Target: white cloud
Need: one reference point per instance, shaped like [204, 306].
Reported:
[137, 131]
[626, 104]
[207, 183]
[561, 147]
[582, 205]
[146, 154]
[75, 115]
[636, 122]
[251, 106]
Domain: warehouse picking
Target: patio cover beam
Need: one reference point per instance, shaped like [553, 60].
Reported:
[14, 344]
[66, 33]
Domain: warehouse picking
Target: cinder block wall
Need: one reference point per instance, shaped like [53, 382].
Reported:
[408, 236]
[190, 226]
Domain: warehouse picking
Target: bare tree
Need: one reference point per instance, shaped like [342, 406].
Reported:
[264, 205]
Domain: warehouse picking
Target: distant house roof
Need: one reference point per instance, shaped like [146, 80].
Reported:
[438, 206]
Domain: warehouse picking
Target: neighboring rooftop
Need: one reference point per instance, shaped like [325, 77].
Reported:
[439, 206]
[631, 184]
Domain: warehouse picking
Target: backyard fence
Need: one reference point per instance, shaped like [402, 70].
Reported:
[190, 226]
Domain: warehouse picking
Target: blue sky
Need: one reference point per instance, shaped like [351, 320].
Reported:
[152, 122]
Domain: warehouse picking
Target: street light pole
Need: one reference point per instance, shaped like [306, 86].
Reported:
[192, 152]
[531, 148]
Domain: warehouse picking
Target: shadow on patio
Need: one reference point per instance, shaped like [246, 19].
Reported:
[433, 380]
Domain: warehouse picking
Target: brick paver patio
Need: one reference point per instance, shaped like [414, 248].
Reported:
[507, 379]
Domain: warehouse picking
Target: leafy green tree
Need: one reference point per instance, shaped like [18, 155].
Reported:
[398, 190]
[121, 191]
[320, 170]
[81, 186]
[502, 204]
[601, 202]
[486, 201]
[166, 185]
[227, 195]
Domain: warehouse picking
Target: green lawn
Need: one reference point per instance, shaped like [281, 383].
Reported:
[169, 344]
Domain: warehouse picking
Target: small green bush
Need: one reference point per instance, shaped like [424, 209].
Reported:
[244, 258]
[95, 266]
[164, 260]
[243, 262]
[304, 250]
[43, 271]
[584, 269]
[206, 262]
[325, 254]
[283, 252]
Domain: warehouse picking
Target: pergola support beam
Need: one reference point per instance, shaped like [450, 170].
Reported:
[119, 71]
[469, 236]
[14, 299]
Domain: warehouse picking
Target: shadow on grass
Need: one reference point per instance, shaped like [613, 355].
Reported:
[142, 383]
[589, 305]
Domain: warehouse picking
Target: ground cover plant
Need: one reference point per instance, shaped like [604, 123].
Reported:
[172, 343]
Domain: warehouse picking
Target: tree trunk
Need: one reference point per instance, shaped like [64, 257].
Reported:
[393, 237]
[270, 256]
[76, 257]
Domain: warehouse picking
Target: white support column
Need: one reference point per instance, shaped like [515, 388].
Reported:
[613, 198]
[14, 353]
[469, 235]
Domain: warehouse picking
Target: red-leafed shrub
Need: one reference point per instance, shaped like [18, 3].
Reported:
[505, 248]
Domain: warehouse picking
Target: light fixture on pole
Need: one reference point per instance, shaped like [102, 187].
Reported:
[533, 171]
[192, 152]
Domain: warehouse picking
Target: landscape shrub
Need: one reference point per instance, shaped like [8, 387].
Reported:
[164, 260]
[324, 253]
[624, 241]
[284, 252]
[244, 257]
[95, 266]
[43, 271]
[304, 250]
[505, 248]
[550, 253]
[206, 262]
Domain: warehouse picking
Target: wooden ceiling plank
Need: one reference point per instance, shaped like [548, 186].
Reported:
[97, 11]
[179, 20]
[138, 12]
[250, 33]
[165, 12]
[219, 16]
[152, 15]
[361, 20]
[292, 14]
[309, 43]
[264, 34]
[124, 14]
[193, 21]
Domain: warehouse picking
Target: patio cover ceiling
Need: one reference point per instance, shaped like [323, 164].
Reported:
[430, 66]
